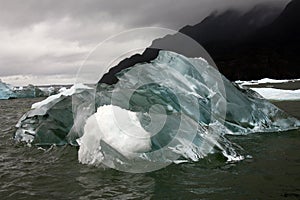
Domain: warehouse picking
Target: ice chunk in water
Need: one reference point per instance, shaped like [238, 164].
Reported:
[185, 105]
[6, 91]
[50, 121]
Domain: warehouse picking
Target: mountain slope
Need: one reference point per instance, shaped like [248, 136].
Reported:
[231, 26]
[263, 42]
[271, 51]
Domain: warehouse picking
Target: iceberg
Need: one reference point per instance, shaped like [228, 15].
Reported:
[29, 91]
[6, 91]
[50, 90]
[264, 81]
[278, 94]
[49, 121]
[9, 92]
[172, 109]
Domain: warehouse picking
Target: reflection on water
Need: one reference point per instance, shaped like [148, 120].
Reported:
[32, 173]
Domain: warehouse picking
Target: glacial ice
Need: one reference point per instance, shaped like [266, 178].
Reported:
[29, 91]
[5, 91]
[102, 127]
[264, 80]
[49, 121]
[9, 92]
[278, 94]
[178, 109]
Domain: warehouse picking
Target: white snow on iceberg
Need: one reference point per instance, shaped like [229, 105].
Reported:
[63, 92]
[265, 80]
[128, 139]
[278, 94]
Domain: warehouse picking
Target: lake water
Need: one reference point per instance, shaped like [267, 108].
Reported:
[273, 172]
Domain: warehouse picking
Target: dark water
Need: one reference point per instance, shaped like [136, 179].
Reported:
[32, 173]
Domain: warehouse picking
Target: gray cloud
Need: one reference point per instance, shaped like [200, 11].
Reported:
[172, 13]
[44, 37]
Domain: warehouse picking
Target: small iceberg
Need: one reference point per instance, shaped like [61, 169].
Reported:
[264, 81]
[9, 92]
[278, 94]
[6, 91]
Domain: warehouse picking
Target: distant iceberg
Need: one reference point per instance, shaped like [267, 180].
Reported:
[271, 92]
[29, 91]
[278, 94]
[264, 81]
[178, 104]
[6, 91]
[9, 92]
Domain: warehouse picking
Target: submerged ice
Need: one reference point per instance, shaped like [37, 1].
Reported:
[173, 109]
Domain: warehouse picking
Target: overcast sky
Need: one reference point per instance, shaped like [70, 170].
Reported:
[45, 41]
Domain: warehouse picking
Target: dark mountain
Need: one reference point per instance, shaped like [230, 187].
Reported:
[231, 26]
[148, 55]
[263, 42]
[270, 51]
[286, 28]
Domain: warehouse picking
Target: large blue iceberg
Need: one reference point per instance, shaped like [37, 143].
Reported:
[173, 109]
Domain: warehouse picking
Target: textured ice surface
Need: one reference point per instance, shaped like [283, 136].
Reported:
[127, 140]
[6, 91]
[29, 91]
[184, 104]
[50, 120]
[192, 104]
